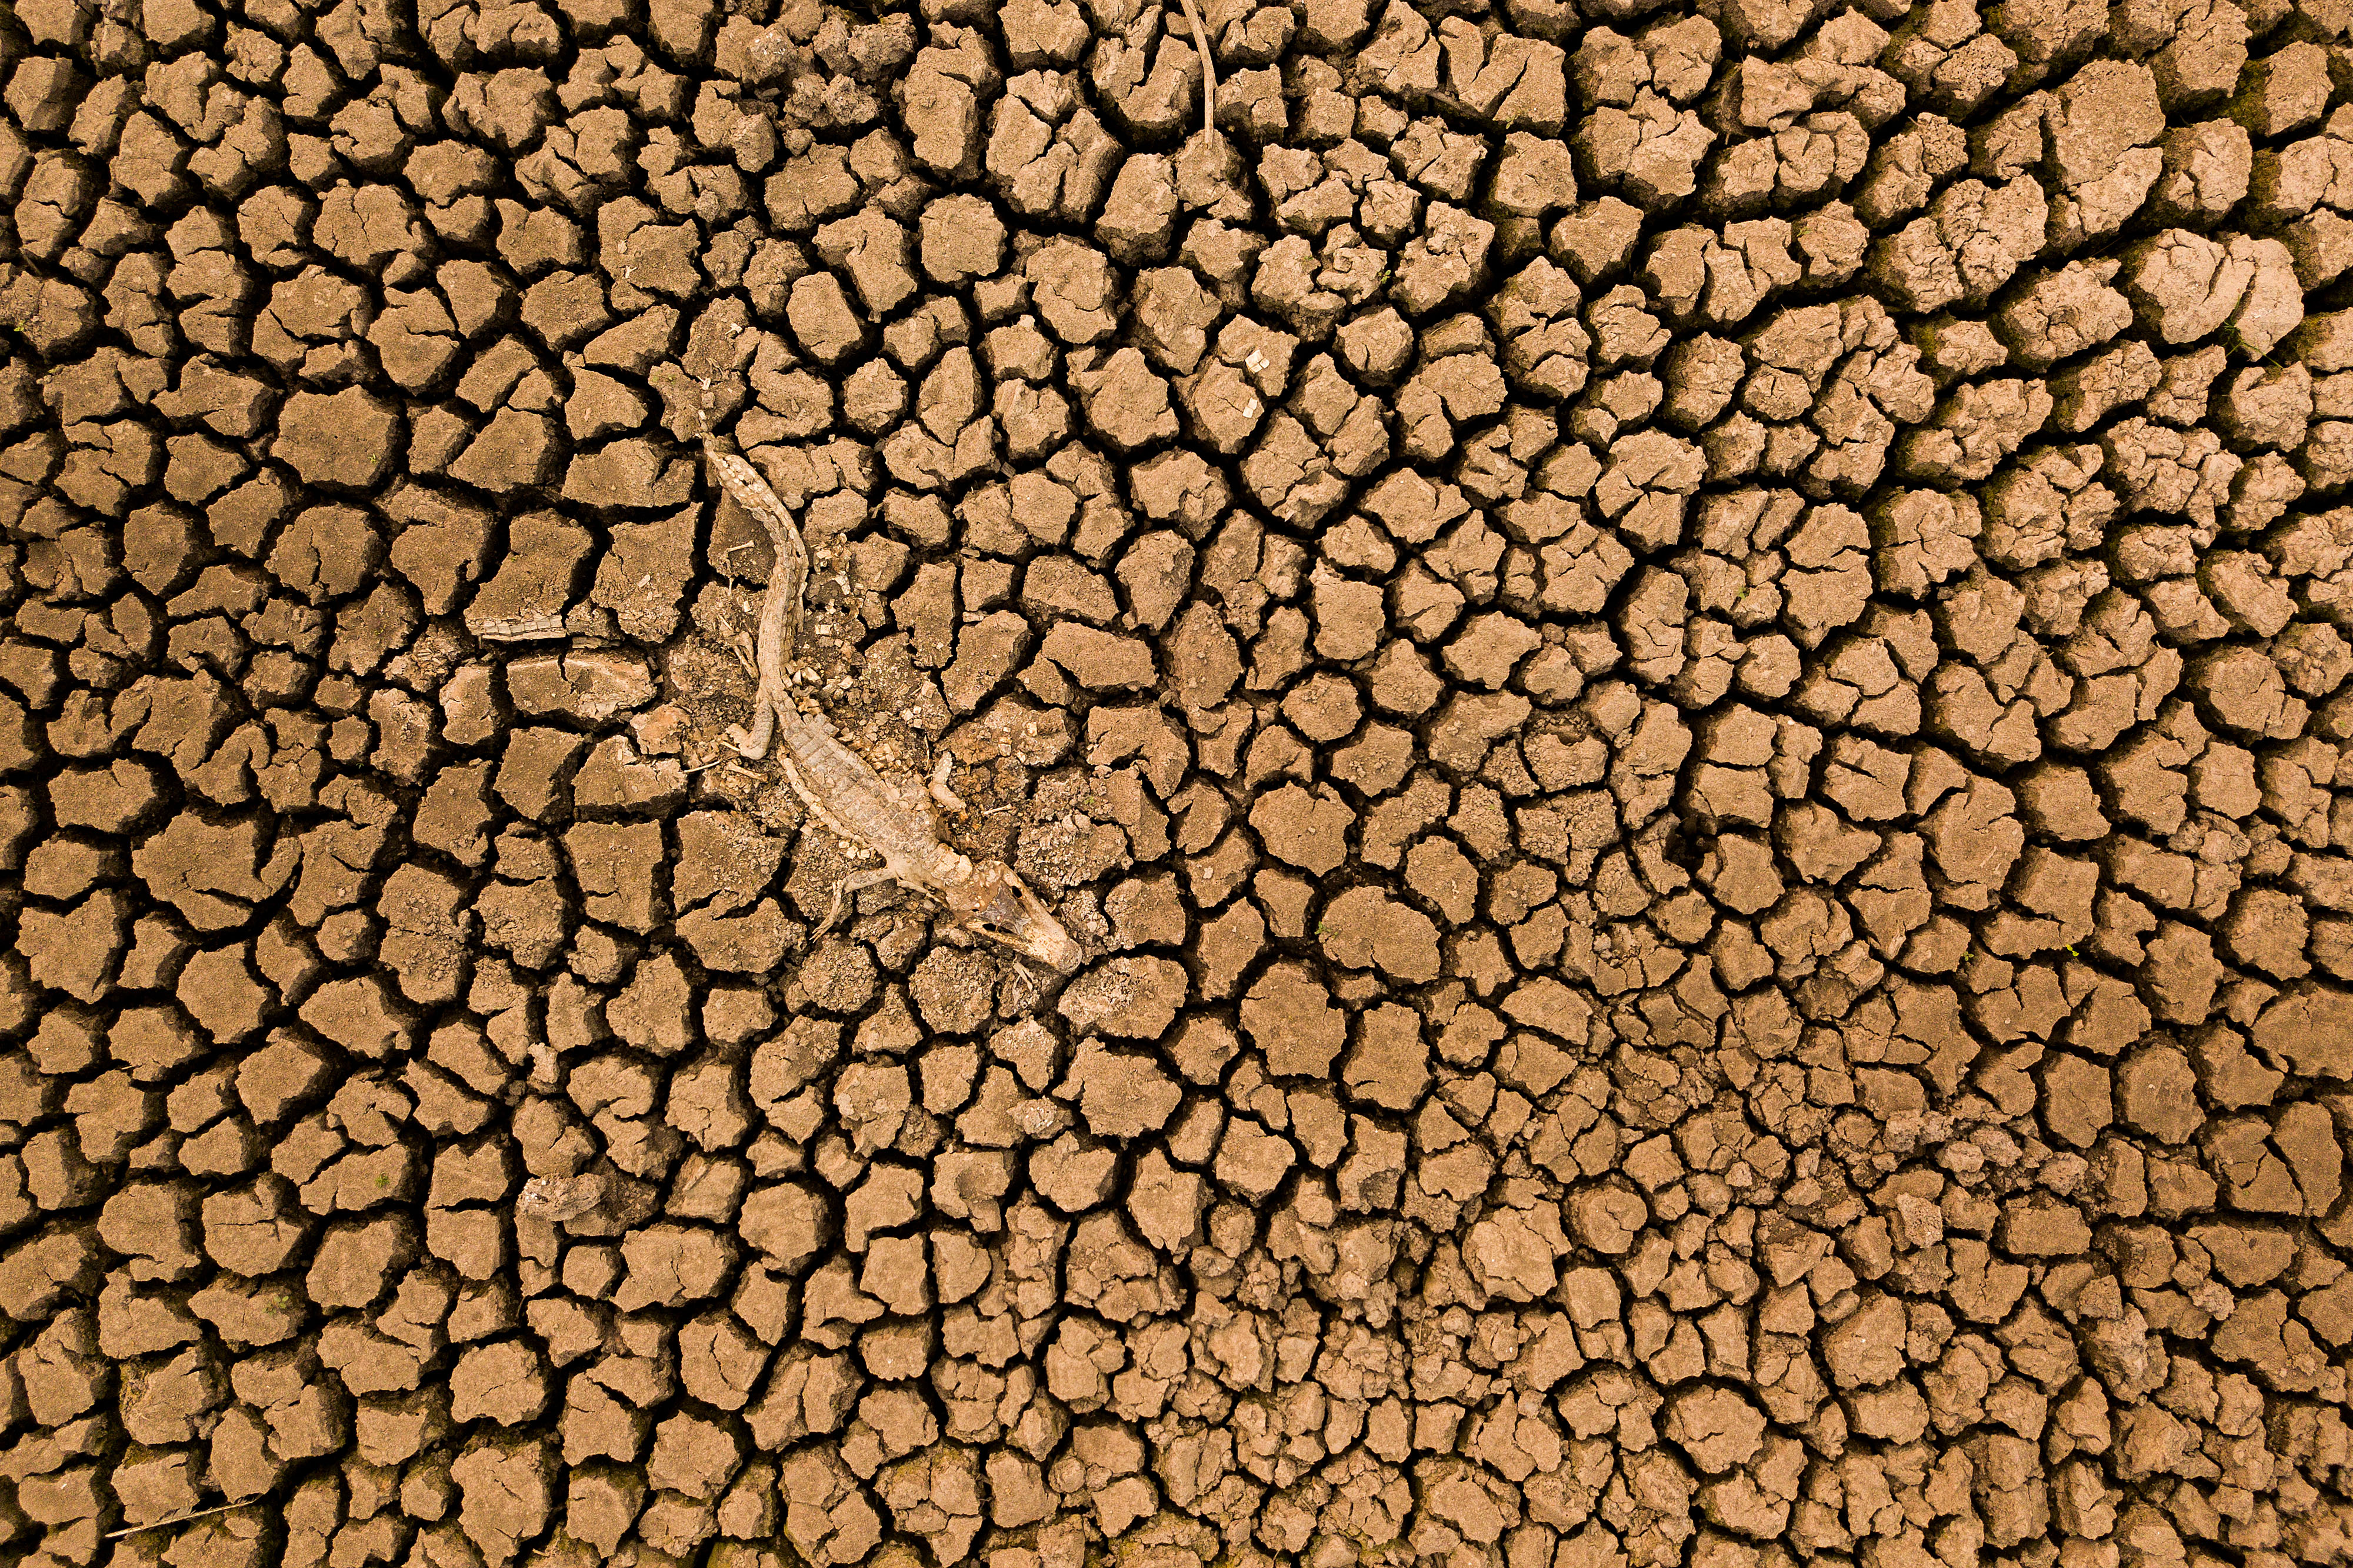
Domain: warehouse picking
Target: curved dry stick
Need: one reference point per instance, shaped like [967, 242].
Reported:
[780, 612]
[183, 1519]
[1208, 69]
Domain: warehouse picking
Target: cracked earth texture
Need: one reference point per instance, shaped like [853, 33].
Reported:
[1683, 665]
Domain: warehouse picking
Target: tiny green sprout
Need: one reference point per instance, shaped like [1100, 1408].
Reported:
[382, 1182]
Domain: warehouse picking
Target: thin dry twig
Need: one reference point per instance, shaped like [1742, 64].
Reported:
[1208, 68]
[727, 559]
[178, 1519]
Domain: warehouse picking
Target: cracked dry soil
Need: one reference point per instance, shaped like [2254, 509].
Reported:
[1683, 664]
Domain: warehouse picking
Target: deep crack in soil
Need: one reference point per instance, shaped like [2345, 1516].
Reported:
[1682, 665]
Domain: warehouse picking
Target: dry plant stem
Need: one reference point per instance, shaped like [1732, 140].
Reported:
[181, 1519]
[780, 610]
[1208, 68]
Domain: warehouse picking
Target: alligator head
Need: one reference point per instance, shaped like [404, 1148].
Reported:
[995, 903]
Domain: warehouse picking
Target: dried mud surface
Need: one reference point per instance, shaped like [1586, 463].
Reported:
[1681, 663]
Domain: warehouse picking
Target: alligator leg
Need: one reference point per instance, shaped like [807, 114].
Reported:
[939, 786]
[849, 887]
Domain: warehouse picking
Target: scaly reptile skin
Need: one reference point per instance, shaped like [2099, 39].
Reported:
[781, 611]
[838, 787]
